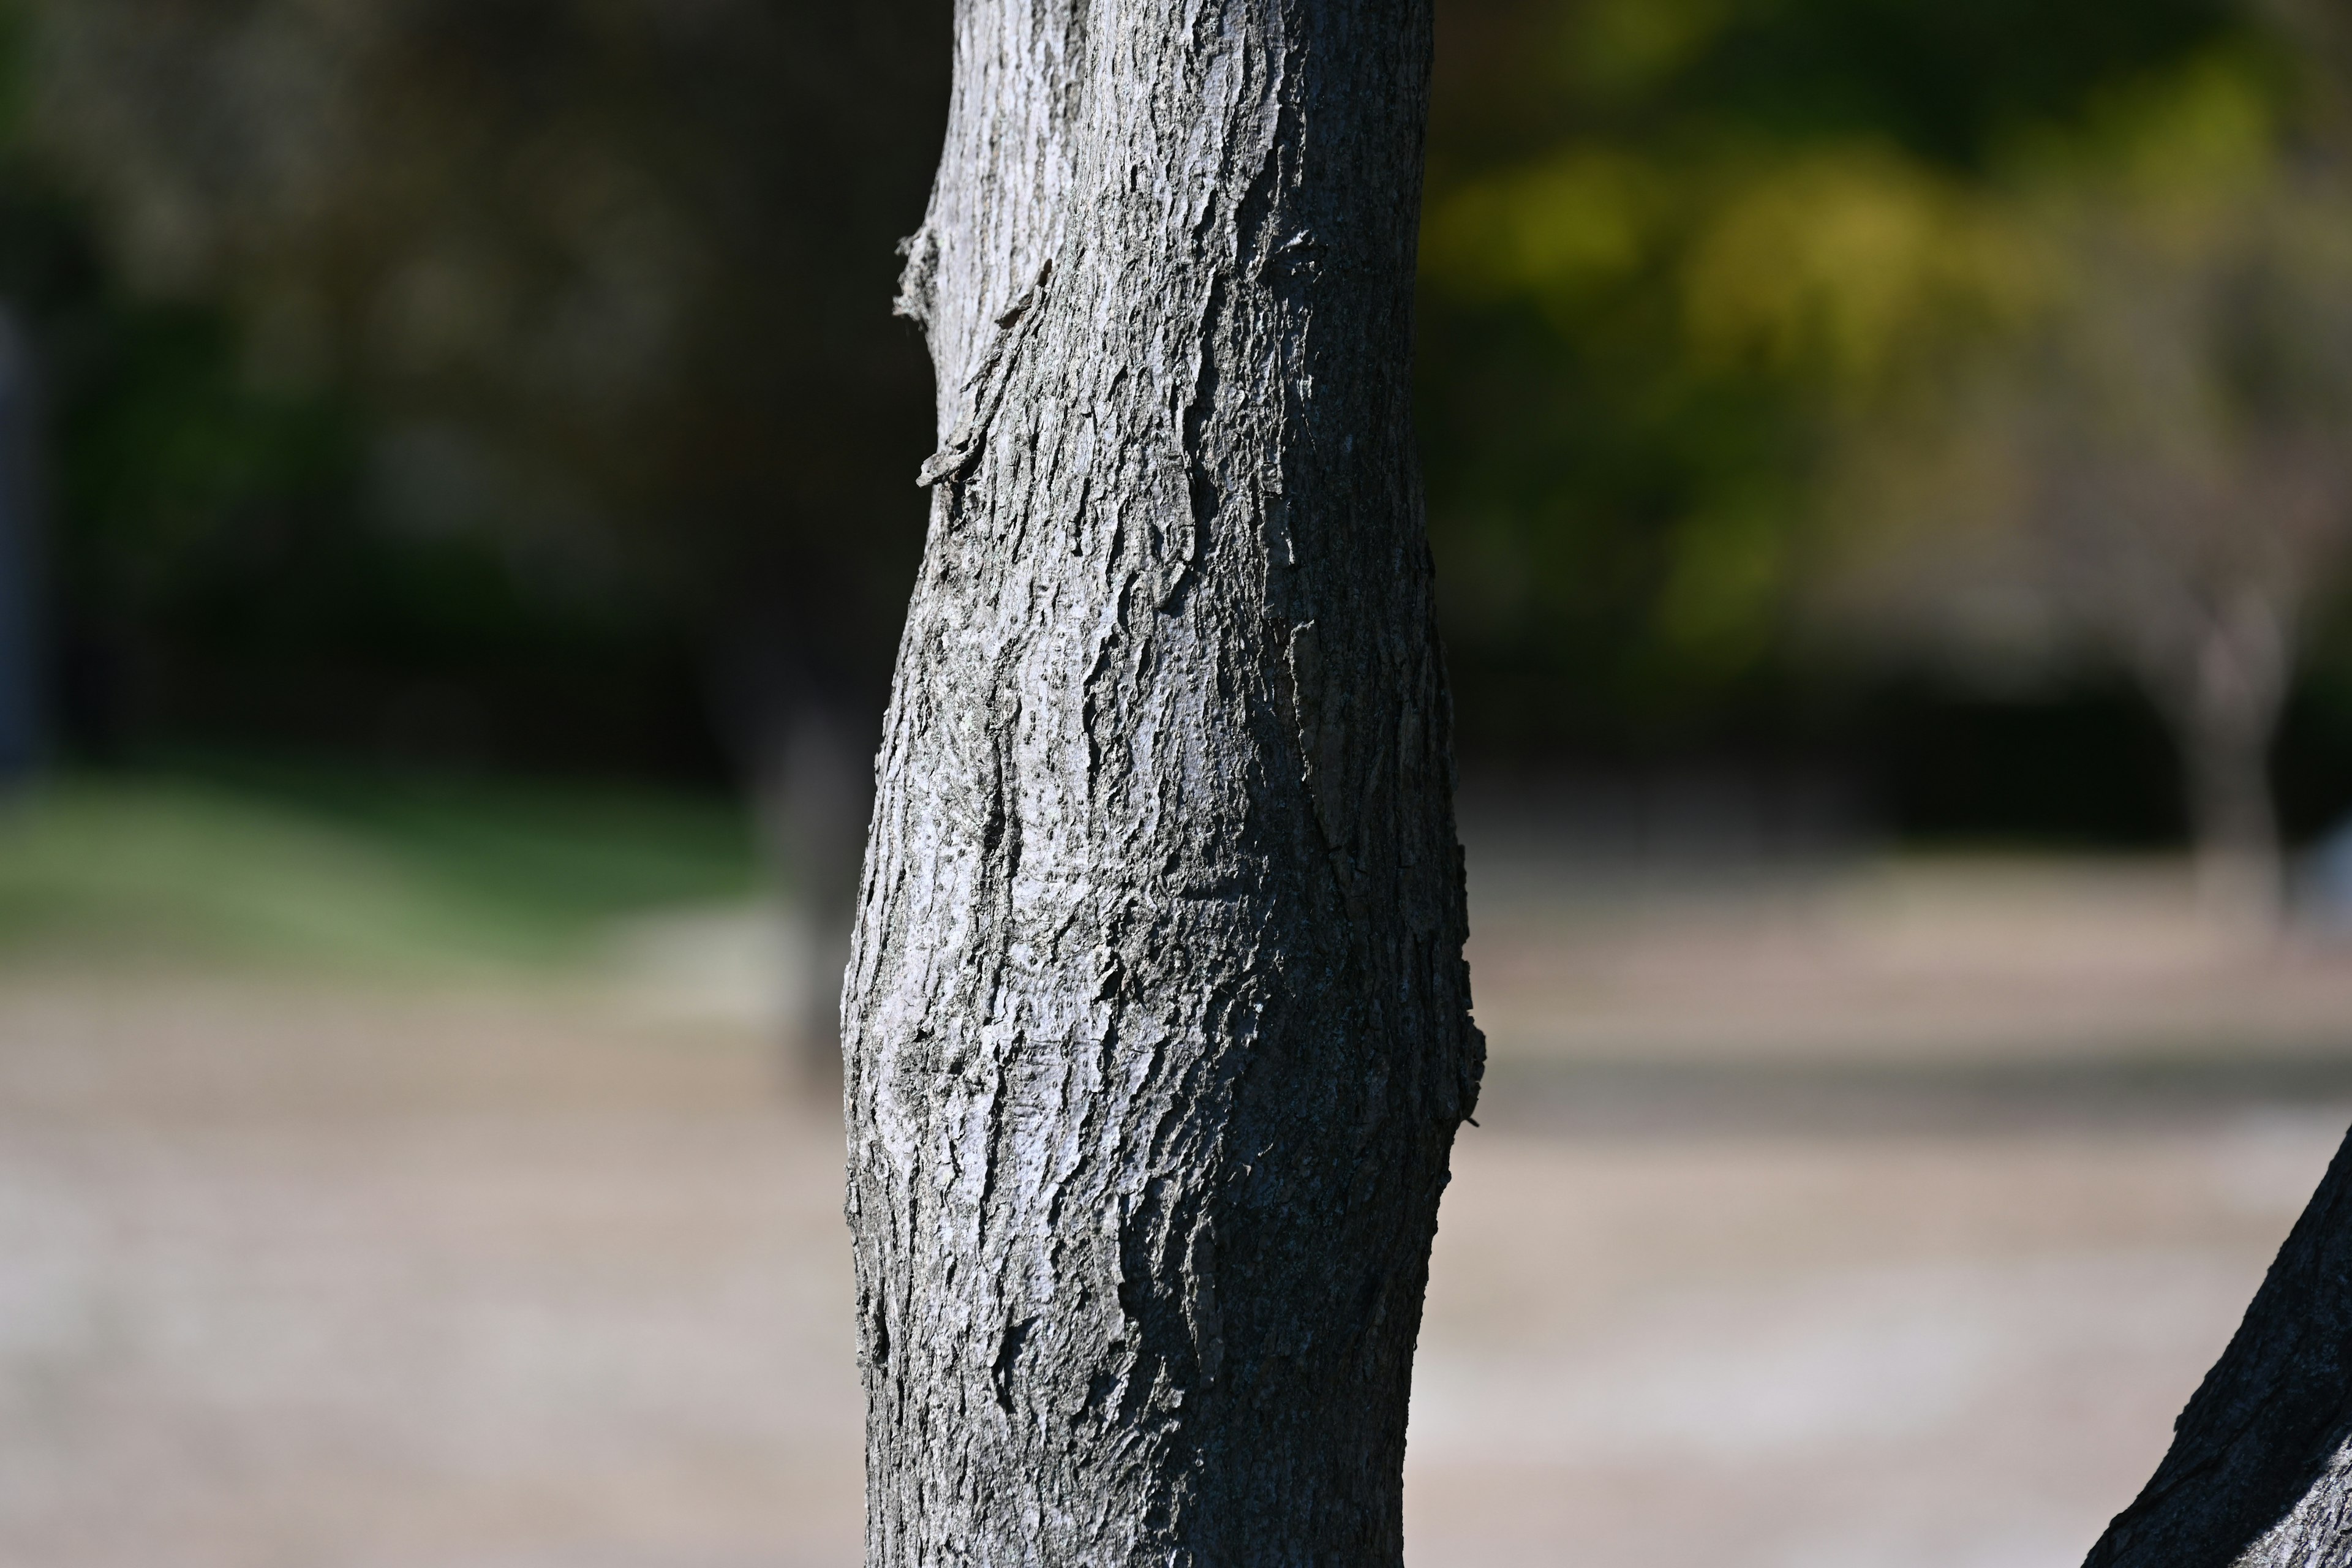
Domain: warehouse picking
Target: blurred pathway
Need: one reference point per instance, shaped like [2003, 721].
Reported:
[1959, 1351]
[303, 1279]
[295, 1276]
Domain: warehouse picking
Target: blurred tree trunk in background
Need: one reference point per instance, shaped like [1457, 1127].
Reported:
[813, 791]
[23, 497]
[2259, 1473]
[2149, 470]
[2225, 707]
[1158, 1023]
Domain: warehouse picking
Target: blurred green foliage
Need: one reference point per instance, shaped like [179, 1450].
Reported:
[215, 569]
[507, 383]
[571, 378]
[1669, 245]
[603, 286]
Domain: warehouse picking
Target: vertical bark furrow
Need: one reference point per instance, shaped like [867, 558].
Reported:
[1157, 1025]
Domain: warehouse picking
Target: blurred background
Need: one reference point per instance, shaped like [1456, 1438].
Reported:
[1889, 474]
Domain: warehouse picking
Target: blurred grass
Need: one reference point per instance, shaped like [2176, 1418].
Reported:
[210, 860]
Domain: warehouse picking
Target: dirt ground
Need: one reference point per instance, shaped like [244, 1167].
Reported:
[299, 1275]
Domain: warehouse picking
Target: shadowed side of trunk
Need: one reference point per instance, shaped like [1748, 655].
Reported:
[2259, 1473]
[1157, 1024]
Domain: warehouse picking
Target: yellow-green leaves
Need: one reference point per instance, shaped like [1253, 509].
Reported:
[1841, 264]
[1553, 232]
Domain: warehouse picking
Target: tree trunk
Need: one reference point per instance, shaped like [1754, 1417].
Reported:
[800, 717]
[815, 794]
[2260, 1474]
[21, 543]
[1157, 1020]
[2241, 875]
[2225, 699]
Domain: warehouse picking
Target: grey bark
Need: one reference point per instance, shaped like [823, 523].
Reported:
[2259, 1473]
[1156, 1023]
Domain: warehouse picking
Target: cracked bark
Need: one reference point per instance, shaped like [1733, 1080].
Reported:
[1156, 1023]
[2260, 1471]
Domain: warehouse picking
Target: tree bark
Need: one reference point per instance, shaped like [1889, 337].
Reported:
[2259, 1473]
[1157, 1021]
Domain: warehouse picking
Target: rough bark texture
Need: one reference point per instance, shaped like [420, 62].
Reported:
[2259, 1473]
[1157, 1021]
